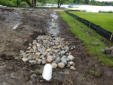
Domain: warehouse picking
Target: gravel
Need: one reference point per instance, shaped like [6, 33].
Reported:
[49, 49]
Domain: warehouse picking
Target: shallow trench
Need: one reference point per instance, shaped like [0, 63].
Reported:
[53, 24]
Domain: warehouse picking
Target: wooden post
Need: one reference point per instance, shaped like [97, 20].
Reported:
[89, 25]
[111, 36]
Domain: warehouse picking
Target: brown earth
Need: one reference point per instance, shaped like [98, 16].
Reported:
[34, 22]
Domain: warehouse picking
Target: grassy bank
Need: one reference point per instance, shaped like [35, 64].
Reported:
[88, 36]
[104, 20]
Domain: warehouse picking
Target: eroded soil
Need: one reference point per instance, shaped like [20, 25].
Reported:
[33, 22]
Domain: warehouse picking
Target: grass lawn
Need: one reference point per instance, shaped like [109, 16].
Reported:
[88, 36]
[104, 20]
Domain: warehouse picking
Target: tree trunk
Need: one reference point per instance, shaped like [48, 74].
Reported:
[86, 1]
[58, 3]
[28, 2]
[17, 3]
[34, 3]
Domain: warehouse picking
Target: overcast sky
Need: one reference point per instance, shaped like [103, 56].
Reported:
[105, 0]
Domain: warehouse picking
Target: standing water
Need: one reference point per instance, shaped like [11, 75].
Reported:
[53, 24]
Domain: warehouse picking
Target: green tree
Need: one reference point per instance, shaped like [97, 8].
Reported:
[60, 2]
[76, 1]
[86, 2]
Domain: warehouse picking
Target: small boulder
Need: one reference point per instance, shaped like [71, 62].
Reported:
[32, 61]
[54, 65]
[39, 61]
[43, 61]
[64, 59]
[25, 59]
[61, 65]
[107, 50]
[110, 56]
[71, 57]
[57, 59]
[72, 63]
[72, 68]
[49, 59]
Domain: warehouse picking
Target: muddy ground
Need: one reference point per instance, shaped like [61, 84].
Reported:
[18, 27]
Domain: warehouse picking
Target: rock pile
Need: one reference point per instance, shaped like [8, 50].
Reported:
[108, 51]
[49, 49]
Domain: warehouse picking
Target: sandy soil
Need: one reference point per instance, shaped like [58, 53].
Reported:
[33, 22]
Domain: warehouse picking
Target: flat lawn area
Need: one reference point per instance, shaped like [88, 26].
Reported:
[104, 20]
[88, 36]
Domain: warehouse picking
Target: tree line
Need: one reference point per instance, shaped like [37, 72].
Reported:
[34, 3]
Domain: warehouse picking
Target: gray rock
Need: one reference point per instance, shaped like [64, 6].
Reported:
[32, 61]
[49, 59]
[34, 48]
[38, 54]
[54, 65]
[111, 48]
[72, 68]
[71, 63]
[34, 42]
[43, 61]
[66, 48]
[110, 56]
[107, 50]
[61, 65]
[25, 59]
[43, 57]
[64, 59]
[39, 61]
[68, 59]
[49, 49]
[71, 57]
[62, 52]
[73, 47]
[57, 59]
[30, 44]
[28, 48]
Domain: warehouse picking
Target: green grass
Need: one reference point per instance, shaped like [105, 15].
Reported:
[81, 31]
[104, 20]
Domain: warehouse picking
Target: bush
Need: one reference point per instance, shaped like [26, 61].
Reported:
[8, 2]
[23, 4]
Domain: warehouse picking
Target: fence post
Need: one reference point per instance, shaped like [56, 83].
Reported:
[111, 36]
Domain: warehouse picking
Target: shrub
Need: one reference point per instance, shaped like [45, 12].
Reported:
[23, 4]
[8, 2]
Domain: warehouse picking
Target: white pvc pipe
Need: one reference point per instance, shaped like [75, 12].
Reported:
[47, 72]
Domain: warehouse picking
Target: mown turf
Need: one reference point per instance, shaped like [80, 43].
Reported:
[88, 36]
[104, 20]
